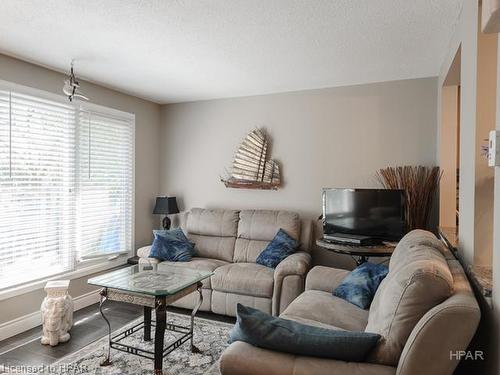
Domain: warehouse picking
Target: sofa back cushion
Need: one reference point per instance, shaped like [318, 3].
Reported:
[213, 232]
[257, 228]
[419, 279]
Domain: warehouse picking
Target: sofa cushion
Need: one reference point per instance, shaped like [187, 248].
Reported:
[220, 223]
[322, 307]
[244, 278]
[419, 279]
[264, 224]
[413, 240]
[270, 332]
[225, 303]
[248, 250]
[325, 278]
[241, 358]
[205, 264]
[257, 228]
[213, 232]
[213, 247]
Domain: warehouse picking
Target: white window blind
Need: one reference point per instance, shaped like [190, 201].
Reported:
[104, 218]
[66, 185]
[37, 177]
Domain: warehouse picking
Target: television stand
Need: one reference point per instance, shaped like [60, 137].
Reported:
[360, 254]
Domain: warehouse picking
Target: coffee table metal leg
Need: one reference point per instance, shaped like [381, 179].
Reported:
[194, 349]
[104, 294]
[161, 321]
[147, 323]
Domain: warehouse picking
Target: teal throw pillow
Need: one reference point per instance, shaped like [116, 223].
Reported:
[269, 332]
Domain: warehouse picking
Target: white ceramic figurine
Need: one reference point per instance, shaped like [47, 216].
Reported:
[57, 313]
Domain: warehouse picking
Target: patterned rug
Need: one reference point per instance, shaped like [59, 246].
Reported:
[209, 336]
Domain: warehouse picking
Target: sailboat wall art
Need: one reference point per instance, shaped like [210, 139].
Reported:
[251, 167]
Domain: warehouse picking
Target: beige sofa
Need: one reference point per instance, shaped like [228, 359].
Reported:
[424, 310]
[228, 243]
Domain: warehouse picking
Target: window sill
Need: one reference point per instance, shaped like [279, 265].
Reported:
[81, 272]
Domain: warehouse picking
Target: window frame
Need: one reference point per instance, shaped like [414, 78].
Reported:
[85, 267]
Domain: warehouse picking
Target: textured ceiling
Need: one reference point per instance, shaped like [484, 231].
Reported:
[184, 50]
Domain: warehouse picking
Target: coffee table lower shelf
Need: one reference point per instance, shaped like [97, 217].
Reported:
[116, 344]
[159, 304]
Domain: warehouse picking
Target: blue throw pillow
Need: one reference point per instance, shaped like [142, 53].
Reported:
[269, 332]
[360, 285]
[278, 249]
[176, 233]
[171, 247]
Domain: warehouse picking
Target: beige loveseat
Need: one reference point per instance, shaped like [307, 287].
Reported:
[424, 310]
[228, 242]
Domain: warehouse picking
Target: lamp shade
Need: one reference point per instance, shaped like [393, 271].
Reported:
[166, 206]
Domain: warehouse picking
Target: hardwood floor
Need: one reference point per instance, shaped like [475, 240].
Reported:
[25, 348]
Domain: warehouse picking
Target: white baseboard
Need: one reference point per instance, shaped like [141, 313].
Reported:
[86, 299]
[26, 322]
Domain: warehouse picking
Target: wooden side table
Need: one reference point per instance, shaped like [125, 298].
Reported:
[360, 254]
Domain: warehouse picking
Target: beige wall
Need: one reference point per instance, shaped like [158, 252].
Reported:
[471, 113]
[495, 313]
[147, 117]
[336, 137]
[485, 122]
[448, 157]
[465, 37]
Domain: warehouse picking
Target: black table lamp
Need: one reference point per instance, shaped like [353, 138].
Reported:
[166, 206]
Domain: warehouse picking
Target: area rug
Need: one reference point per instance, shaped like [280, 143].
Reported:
[209, 336]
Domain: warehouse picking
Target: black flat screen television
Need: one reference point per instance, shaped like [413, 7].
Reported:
[377, 213]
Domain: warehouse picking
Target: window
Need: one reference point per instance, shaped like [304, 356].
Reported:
[66, 175]
[104, 217]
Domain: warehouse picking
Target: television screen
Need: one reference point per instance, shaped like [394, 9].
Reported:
[377, 213]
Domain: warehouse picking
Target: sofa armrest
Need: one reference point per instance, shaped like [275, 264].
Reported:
[295, 264]
[289, 279]
[148, 261]
[325, 278]
[144, 251]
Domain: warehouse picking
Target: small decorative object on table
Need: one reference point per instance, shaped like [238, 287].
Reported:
[166, 206]
[57, 313]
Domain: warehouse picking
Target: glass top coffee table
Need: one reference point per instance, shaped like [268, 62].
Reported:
[152, 289]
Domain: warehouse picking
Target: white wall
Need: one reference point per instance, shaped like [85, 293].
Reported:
[147, 117]
[336, 137]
